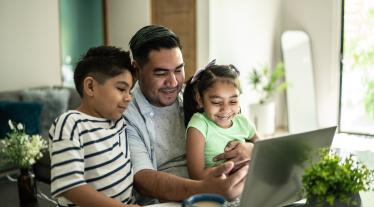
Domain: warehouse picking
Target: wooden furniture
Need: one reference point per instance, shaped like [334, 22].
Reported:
[180, 17]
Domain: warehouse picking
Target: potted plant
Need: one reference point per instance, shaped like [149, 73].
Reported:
[334, 181]
[22, 151]
[266, 83]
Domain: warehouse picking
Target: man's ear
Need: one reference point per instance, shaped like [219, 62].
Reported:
[136, 65]
[89, 84]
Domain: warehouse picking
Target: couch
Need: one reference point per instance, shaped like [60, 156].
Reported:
[36, 108]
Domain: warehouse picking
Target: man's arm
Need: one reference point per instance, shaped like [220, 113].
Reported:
[173, 188]
[85, 195]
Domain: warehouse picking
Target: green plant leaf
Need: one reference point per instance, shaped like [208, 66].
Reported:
[266, 82]
[333, 178]
[369, 99]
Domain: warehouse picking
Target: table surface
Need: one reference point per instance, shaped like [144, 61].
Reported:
[9, 196]
[166, 205]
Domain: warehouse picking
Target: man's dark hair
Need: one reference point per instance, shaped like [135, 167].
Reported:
[102, 63]
[152, 37]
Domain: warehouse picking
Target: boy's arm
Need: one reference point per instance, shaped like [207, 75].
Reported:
[195, 154]
[85, 195]
[169, 187]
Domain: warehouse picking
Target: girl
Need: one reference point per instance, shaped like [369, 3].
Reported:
[211, 109]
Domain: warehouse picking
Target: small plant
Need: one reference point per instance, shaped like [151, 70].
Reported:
[19, 148]
[266, 82]
[335, 180]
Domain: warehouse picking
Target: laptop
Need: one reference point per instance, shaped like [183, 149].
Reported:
[277, 167]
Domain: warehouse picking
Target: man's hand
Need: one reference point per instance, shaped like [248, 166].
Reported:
[219, 181]
[238, 152]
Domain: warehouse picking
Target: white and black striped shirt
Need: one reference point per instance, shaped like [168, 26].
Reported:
[90, 150]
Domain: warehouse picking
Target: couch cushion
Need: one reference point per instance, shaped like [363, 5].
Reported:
[26, 113]
[10, 95]
[55, 102]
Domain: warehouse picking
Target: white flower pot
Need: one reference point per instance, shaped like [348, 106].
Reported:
[263, 117]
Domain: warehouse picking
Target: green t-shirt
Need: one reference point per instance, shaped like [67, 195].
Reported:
[216, 137]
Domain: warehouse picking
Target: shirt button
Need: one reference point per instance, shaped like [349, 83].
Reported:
[151, 114]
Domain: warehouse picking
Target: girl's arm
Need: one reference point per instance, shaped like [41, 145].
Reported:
[195, 154]
[254, 138]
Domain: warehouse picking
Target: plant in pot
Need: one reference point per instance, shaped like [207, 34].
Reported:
[266, 82]
[22, 151]
[334, 181]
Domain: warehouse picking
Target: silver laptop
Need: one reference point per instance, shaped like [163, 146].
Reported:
[277, 166]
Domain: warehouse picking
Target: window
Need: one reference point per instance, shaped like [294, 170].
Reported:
[81, 27]
[356, 113]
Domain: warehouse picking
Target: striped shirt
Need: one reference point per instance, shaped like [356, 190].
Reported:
[93, 151]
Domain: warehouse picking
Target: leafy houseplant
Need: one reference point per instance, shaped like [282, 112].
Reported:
[333, 180]
[266, 82]
[21, 149]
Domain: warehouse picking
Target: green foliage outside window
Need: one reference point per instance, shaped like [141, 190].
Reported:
[369, 99]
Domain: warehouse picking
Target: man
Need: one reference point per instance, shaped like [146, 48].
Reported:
[156, 130]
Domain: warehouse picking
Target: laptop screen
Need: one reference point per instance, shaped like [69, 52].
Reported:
[277, 167]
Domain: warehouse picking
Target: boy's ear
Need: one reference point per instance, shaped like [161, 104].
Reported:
[89, 85]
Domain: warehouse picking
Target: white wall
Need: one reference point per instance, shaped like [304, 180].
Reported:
[203, 33]
[125, 17]
[247, 34]
[321, 20]
[243, 33]
[29, 44]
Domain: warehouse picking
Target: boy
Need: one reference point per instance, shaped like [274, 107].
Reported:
[90, 159]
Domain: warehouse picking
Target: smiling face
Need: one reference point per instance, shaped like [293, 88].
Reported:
[162, 77]
[110, 99]
[221, 103]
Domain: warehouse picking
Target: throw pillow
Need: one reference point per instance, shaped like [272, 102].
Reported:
[21, 112]
[55, 102]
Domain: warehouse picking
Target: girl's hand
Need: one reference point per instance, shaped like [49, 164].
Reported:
[238, 152]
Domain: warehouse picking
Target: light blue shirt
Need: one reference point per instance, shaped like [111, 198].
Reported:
[156, 135]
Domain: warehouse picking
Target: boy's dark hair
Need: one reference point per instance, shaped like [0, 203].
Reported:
[102, 63]
[152, 37]
[206, 79]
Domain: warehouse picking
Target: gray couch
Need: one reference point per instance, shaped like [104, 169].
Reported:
[53, 102]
